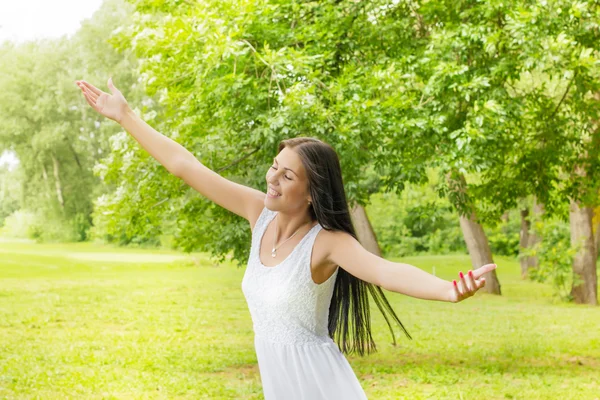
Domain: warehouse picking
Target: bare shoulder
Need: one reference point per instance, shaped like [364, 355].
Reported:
[341, 248]
[331, 237]
[325, 244]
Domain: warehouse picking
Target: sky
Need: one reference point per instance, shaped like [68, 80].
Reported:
[30, 19]
[24, 20]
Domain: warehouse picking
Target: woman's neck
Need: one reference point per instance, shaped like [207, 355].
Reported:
[288, 224]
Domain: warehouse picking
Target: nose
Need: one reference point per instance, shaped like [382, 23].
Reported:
[273, 182]
[274, 179]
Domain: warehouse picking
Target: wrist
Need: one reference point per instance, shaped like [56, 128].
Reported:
[127, 115]
[449, 288]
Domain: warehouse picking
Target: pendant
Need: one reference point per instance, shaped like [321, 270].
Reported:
[273, 253]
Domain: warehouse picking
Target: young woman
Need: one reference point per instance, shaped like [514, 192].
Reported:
[307, 277]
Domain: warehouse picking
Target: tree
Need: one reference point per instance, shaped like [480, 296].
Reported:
[48, 126]
[234, 78]
[513, 84]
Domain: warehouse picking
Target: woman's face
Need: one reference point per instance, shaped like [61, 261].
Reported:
[288, 178]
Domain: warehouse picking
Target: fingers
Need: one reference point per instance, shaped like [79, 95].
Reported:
[92, 88]
[467, 285]
[457, 292]
[471, 282]
[88, 93]
[111, 86]
[463, 283]
[92, 95]
[488, 267]
[468, 289]
[91, 101]
[483, 270]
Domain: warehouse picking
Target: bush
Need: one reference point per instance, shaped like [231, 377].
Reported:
[25, 224]
[415, 222]
[19, 225]
[555, 257]
[504, 238]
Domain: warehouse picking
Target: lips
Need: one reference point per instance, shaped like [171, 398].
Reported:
[273, 192]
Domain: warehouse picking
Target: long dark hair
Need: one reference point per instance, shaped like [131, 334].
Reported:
[329, 207]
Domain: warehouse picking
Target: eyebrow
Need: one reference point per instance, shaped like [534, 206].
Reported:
[289, 169]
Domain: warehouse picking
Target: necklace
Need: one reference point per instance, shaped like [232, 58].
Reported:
[273, 252]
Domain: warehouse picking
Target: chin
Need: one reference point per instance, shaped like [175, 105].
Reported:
[268, 203]
[272, 204]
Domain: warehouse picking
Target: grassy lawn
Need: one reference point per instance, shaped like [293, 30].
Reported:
[95, 322]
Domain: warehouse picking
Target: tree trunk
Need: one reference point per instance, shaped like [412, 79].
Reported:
[584, 262]
[45, 175]
[480, 252]
[524, 242]
[59, 194]
[597, 239]
[75, 155]
[529, 237]
[364, 230]
[534, 238]
[473, 234]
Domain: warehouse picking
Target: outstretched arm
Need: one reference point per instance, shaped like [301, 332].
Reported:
[407, 279]
[410, 280]
[166, 151]
[242, 200]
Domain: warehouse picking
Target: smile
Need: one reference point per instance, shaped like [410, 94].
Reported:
[273, 193]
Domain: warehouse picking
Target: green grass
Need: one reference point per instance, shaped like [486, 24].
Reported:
[95, 322]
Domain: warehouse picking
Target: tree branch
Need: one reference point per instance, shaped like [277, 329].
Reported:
[564, 94]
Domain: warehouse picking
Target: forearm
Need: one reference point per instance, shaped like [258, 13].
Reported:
[412, 281]
[166, 151]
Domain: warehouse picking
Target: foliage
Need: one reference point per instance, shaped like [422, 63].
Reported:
[10, 191]
[19, 225]
[231, 79]
[512, 85]
[414, 222]
[501, 93]
[394, 86]
[503, 237]
[42, 227]
[50, 128]
[555, 257]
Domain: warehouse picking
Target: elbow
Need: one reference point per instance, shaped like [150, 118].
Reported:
[177, 168]
[383, 277]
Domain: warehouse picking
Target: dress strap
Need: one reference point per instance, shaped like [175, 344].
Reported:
[307, 244]
[260, 226]
[263, 220]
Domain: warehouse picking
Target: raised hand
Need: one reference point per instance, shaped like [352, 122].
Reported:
[111, 106]
[469, 284]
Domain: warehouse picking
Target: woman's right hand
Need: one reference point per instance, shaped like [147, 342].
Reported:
[111, 106]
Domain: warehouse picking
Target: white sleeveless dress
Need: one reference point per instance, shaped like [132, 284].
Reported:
[297, 359]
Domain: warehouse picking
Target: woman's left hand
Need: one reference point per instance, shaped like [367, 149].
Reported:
[469, 284]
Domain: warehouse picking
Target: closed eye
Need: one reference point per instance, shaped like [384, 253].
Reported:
[288, 178]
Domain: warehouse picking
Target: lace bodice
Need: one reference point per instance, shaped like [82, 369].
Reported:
[286, 305]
